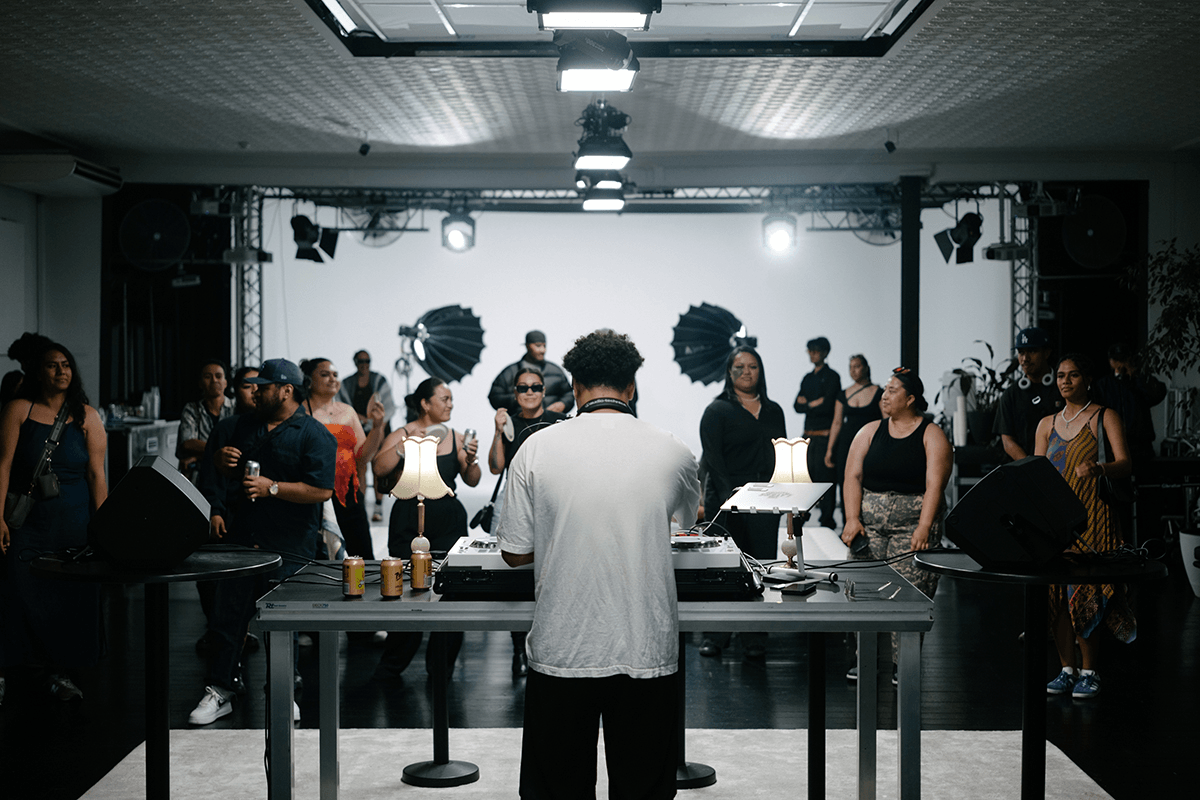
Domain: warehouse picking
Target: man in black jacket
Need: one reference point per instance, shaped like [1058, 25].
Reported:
[558, 386]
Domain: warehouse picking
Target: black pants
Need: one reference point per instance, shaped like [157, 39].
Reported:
[562, 721]
[355, 527]
[822, 474]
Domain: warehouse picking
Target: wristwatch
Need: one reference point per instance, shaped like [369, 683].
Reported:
[274, 490]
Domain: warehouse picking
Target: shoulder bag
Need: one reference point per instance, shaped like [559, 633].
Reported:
[43, 484]
[483, 517]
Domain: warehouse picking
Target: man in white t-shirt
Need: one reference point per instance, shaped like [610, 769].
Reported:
[589, 503]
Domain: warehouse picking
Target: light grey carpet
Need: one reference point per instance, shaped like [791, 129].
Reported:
[981, 765]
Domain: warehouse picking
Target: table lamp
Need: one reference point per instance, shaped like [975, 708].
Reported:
[420, 478]
[791, 466]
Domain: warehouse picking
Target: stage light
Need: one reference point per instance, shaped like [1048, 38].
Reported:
[779, 232]
[594, 61]
[604, 200]
[305, 234]
[964, 235]
[608, 179]
[458, 232]
[593, 14]
[603, 153]
[890, 146]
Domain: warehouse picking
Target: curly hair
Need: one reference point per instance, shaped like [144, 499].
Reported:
[603, 358]
[30, 350]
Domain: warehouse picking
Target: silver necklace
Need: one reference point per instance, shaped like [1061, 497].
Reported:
[1077, 413]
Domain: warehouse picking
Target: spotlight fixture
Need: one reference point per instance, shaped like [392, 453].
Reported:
[594, 61]
[306, 235]
[593, 14]
[364, 148]
[590, 179]
[890, 146]
[779, 232]
[601, 146]
[889, 142]
[964, 235]
[604, 200]
[458, 232]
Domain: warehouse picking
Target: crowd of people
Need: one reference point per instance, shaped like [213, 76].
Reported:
[321, 441]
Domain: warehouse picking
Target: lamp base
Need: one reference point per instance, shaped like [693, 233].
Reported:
[433, 774]
[690, 775]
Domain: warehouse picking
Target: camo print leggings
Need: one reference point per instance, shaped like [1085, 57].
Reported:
[890, 519]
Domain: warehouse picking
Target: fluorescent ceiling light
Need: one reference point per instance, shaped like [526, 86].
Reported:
[596, 79]
[604, 200]
[340, 15]
[800, 18]
[595, 20]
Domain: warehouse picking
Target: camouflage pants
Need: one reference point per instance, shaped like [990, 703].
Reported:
[890, 519]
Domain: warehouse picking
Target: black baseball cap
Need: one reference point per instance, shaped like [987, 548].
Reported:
[278, 370]
[535, 337]
[1032, 339]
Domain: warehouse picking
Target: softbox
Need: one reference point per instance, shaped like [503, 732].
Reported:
[153, 519]
[1020, 515]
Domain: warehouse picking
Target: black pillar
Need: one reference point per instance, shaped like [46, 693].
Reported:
[910, 270]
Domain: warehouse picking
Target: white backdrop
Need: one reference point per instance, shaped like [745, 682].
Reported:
[568, 274]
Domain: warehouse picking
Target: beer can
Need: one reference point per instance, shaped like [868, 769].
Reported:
[421, 578]
[468, 436]
[253, 470]
[354, 574]
[391, 578]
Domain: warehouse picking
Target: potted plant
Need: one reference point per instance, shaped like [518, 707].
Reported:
[982, 383]
[1172, 281]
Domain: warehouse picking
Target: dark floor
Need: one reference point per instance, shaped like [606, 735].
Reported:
[1137, 739]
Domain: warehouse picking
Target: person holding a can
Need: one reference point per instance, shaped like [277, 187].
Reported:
[445, 518]
[278, 510]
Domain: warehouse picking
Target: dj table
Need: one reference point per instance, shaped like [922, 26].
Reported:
[832, 608]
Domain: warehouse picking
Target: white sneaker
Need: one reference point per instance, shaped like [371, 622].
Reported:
[295, 711]
[211, 707]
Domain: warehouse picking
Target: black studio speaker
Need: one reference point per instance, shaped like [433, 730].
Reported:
[154, 518]
[1020, 515]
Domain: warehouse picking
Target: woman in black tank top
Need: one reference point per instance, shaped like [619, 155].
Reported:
[896, 474]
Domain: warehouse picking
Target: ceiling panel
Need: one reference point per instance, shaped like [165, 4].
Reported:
[251, 82]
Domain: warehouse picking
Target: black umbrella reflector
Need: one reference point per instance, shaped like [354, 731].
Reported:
[704, 338]
[453, 340]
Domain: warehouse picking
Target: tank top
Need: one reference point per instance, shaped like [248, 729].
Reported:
[896, 465]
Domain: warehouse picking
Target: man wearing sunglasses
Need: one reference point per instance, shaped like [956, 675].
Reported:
[558, 396]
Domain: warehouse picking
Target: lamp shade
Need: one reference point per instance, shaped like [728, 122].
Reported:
[420, 477]
[791, 461]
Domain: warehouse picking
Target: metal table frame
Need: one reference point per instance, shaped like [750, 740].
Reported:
[202, 565]
[298, 606]
[1037, 582]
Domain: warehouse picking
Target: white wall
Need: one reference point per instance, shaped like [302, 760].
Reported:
[569, 274]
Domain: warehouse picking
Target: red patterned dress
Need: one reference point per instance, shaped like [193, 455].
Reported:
[1090, 605]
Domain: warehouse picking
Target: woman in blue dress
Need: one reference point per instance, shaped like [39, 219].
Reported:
[50, 627]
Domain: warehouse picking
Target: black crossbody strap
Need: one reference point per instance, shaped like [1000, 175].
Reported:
[60, 422]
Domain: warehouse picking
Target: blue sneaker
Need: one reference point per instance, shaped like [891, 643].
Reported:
[1064, 683]
[1087, 686]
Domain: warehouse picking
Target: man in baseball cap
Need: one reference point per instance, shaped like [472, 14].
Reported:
[1032, 396]
[558, 398]
[278, 370]
[278, 509]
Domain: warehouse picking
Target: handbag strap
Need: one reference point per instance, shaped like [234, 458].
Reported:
[1102, 439]
[499, 480]
[60, 423]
